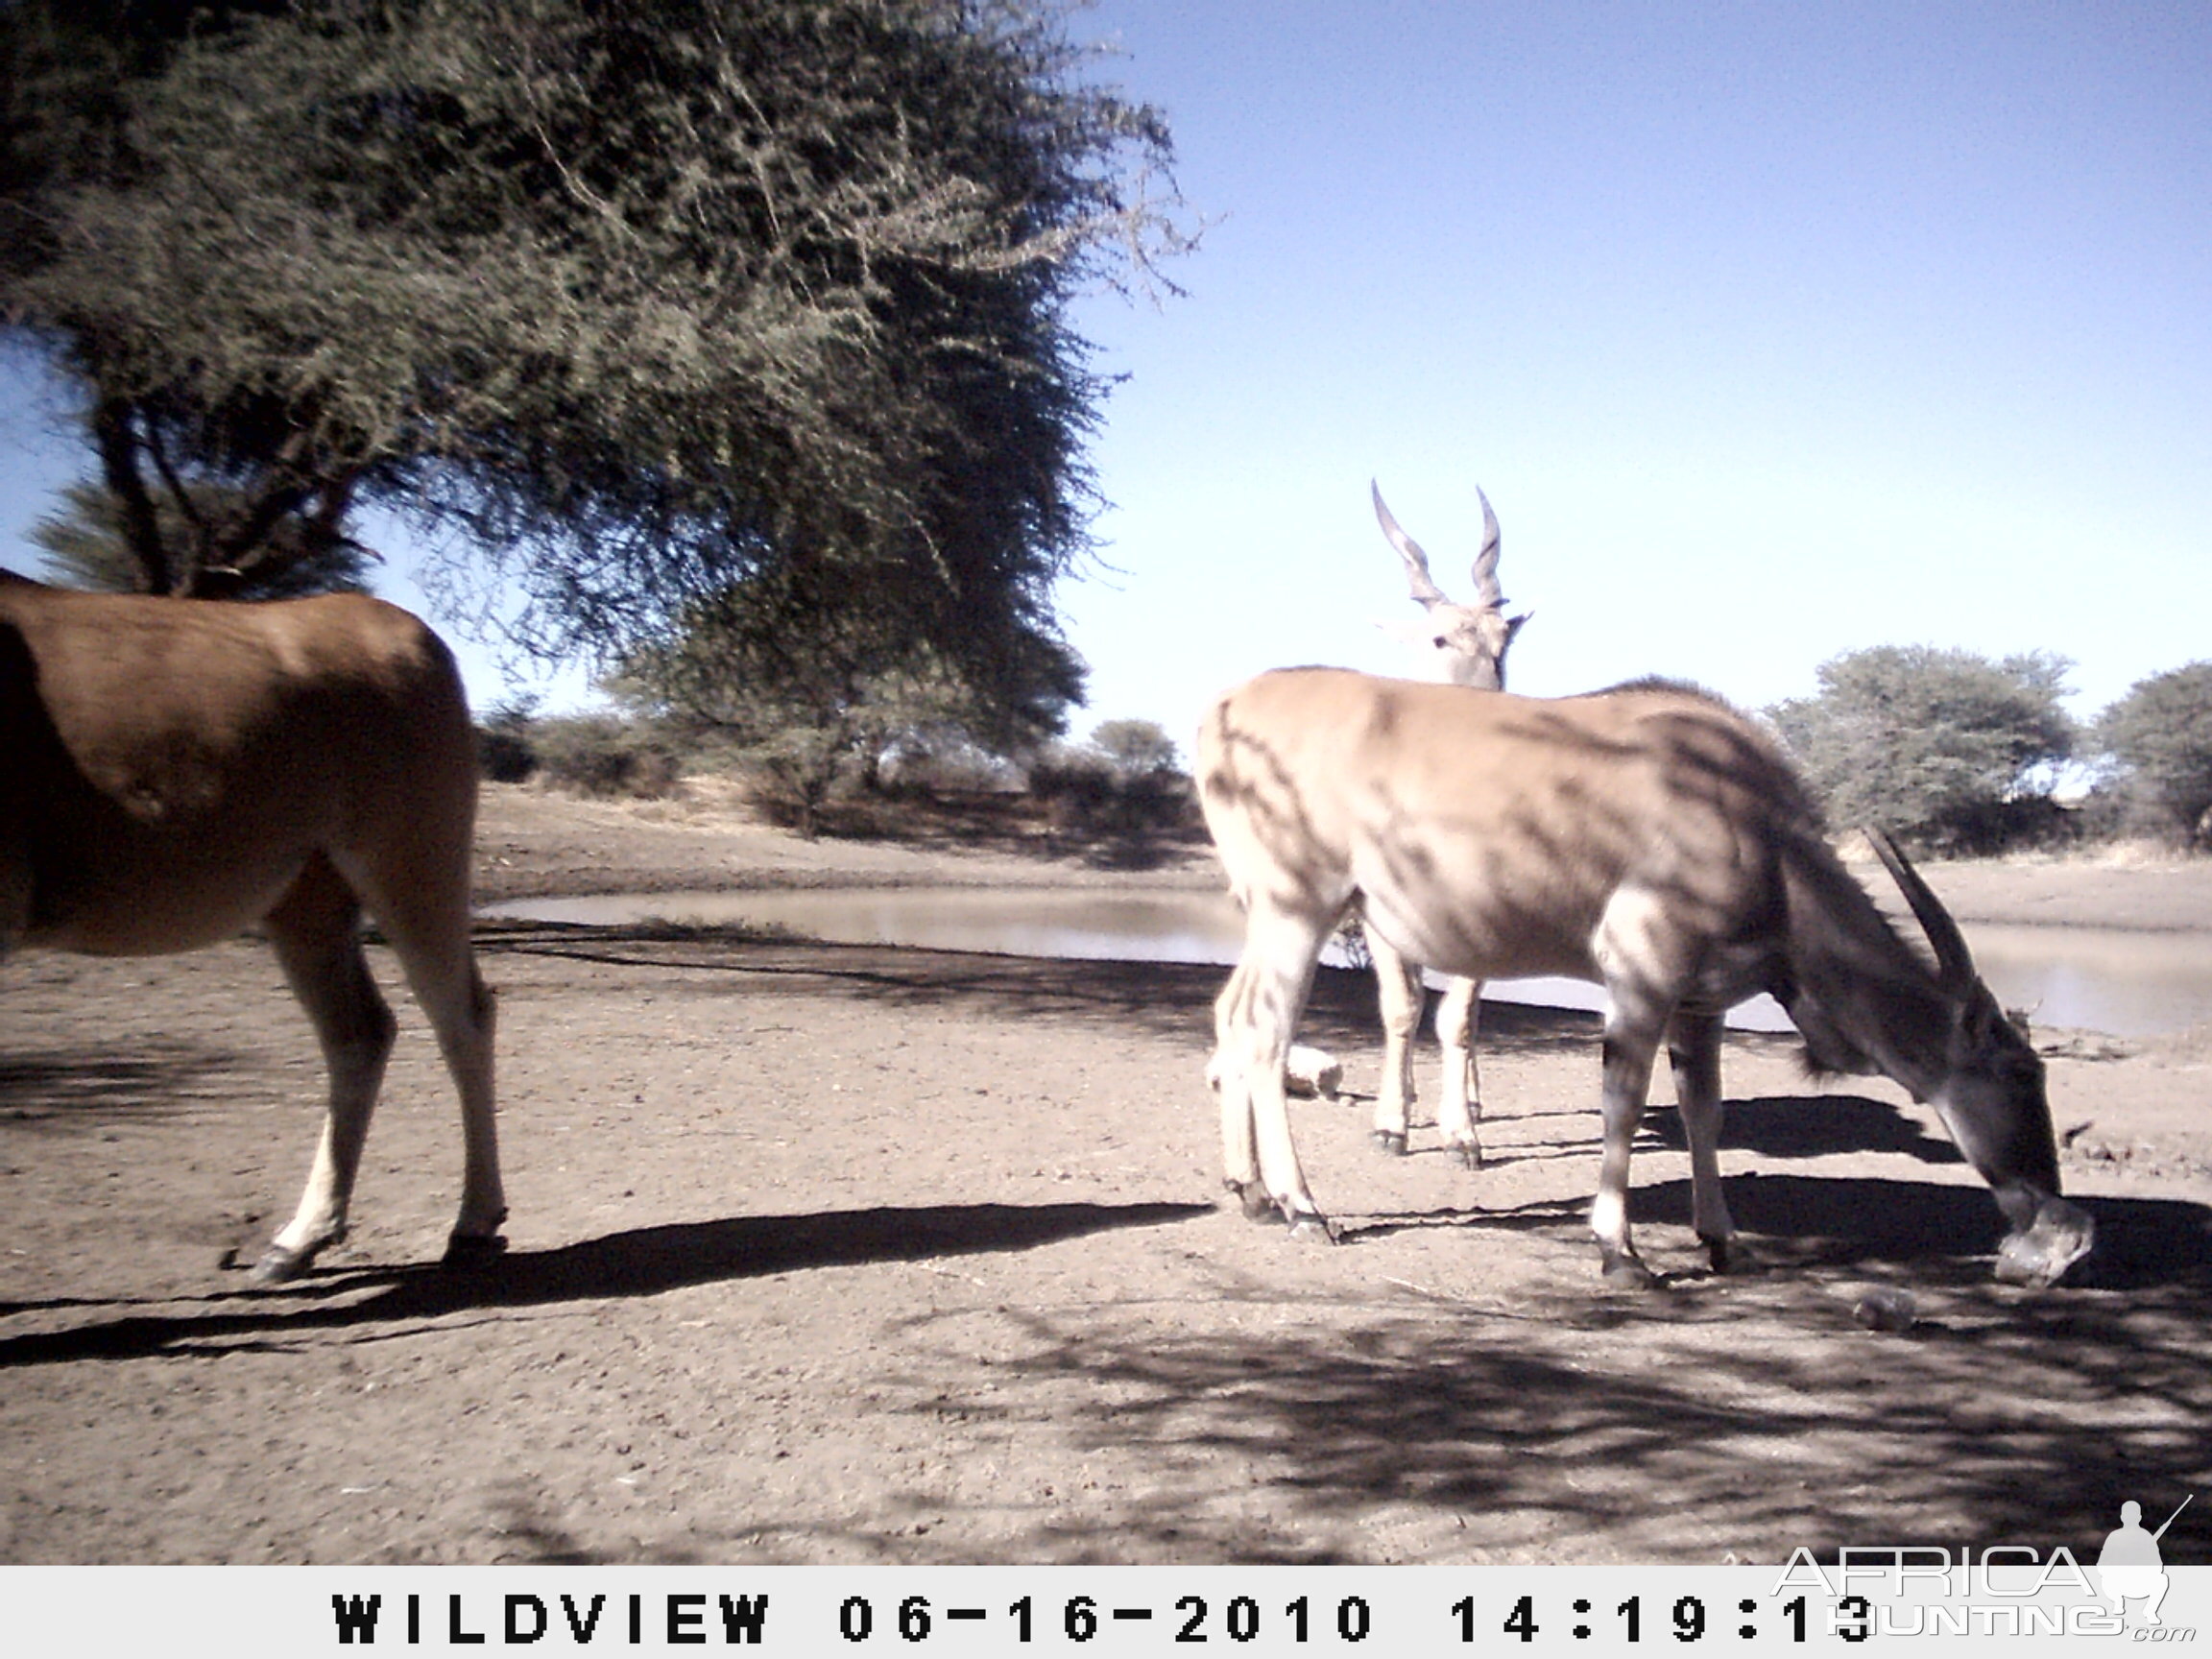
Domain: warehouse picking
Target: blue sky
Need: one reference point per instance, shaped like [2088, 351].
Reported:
[1772, 331]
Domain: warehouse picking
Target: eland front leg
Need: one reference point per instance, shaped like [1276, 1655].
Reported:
[1400, 994]
[1693, 1052]
[1648, 956]
[1459, 1098]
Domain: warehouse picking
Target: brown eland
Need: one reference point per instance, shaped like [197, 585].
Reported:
[1648, 839]
[175, 771]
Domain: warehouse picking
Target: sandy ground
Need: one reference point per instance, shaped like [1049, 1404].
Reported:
[827, 1254]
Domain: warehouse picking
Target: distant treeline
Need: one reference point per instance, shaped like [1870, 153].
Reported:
[1957, 752]
[1964, 754]
[1125, 780]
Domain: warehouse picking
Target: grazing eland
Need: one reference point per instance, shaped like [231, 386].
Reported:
[177, 770]
[1461, 645]
[1649, 839]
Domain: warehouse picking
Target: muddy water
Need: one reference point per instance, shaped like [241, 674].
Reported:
[2102, 979]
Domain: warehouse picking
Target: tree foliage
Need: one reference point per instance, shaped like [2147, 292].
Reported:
[87, 545]
[2161, 736]
[1135, 748]
[1944, 747]
[626, 302]
[810, 691]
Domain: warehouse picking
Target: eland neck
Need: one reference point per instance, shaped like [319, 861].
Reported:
[1863, 998]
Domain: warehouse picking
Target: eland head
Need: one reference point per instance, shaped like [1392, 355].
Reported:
[1462, 644]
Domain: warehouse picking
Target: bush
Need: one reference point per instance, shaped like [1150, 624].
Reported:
[791, 777]
[504, 752]
[1084, 793]
[602, 755]
[944, 763]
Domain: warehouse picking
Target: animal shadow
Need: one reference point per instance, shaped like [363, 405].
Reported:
[640, 1261]
[1857, 1220]
[1809, 1126]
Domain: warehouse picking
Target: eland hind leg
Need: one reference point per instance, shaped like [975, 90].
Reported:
[1254, 1019]
[314, 931]
[1227, 1077]
[1646, 958]
[1631, 1046]
[1459, 1102]
[422, 905]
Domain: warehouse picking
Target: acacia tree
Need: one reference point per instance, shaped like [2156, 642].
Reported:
[811, 689]
[1945, 747]
[2161, 736]
[1135, 748]
[623, 302]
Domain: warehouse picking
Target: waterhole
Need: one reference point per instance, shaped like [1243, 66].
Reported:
[2124, 982]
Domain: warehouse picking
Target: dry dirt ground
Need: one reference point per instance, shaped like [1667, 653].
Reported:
[861, 1255]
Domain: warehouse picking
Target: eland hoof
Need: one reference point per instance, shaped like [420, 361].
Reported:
[1468, 1154]
[1724, 1254]
[472, 1252]
[1252, 1199]
[1390, 1143]
[1311, 1227]
[2040, 1255]
[1624, 1272]
[279, 1265]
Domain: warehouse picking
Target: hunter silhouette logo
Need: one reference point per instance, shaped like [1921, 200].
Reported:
[2130, 1568]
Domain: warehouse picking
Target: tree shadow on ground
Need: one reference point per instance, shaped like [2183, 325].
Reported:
[66, 1088]
[640, 1261]
[1167, 998]
[1747, 1415]
[1174, 999]
[1658, 1429]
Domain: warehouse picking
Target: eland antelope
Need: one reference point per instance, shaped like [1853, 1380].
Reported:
[1648, 839]
[1461, 645]
[175, 770]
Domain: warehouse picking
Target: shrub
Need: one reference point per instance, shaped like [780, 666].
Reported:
[605, 756]
[791, 775]
[504, 752]
[1083, 792]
